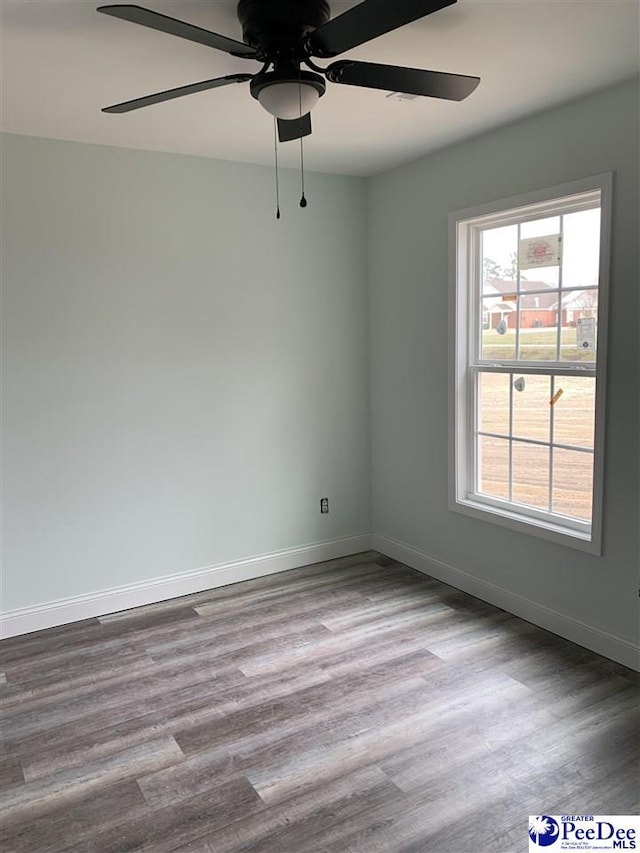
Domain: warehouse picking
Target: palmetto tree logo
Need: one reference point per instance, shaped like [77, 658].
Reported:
[543, 830]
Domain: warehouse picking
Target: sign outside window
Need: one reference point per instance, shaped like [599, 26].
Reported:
[540, 252]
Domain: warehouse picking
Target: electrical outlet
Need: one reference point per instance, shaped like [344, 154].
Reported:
[324, 505]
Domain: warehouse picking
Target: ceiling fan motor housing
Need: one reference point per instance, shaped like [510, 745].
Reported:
[276, 27]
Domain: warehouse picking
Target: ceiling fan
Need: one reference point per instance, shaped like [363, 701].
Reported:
[284, 35]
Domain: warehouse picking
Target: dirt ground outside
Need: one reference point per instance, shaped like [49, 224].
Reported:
[568, 421]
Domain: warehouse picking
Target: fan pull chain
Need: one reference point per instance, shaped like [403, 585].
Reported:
[303, 200]
[275, 147]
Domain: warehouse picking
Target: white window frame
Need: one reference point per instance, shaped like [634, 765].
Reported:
[464, 227]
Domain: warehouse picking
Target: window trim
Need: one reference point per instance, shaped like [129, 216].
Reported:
[461, 340]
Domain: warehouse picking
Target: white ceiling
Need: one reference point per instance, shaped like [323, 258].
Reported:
[61, 62]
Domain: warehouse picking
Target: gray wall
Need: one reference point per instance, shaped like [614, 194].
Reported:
[408, 211]
[184, 377]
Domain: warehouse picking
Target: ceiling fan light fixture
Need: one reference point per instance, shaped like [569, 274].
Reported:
[288, 95]
[289, 100]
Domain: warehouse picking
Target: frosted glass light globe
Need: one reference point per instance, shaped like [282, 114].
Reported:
[289, 99]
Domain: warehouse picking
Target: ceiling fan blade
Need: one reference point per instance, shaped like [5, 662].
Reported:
[393, 78]
[170, 94]
[368, 20]
[147, 18]
[294, 128]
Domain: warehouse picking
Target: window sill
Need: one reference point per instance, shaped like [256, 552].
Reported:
[513, 520]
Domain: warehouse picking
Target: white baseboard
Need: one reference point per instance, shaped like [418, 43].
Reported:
[65, 610]
[54, 613]
[608, 645]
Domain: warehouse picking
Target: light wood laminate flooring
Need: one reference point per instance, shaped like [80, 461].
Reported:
[352, 707]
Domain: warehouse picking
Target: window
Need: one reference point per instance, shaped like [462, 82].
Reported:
[528, 361]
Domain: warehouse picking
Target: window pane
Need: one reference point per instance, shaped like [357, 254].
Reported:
[531, 475]
[581, 248]
[538, 314]
[574, 411]
[572, 483]
[493, 467]
[579, 325]
[540, 278]
[539, 342]
[498, 329]
[531, 415]
[493, 403]
[540, 227]
[499, 258]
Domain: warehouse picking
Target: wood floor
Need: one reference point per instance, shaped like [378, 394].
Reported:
[356, 707]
